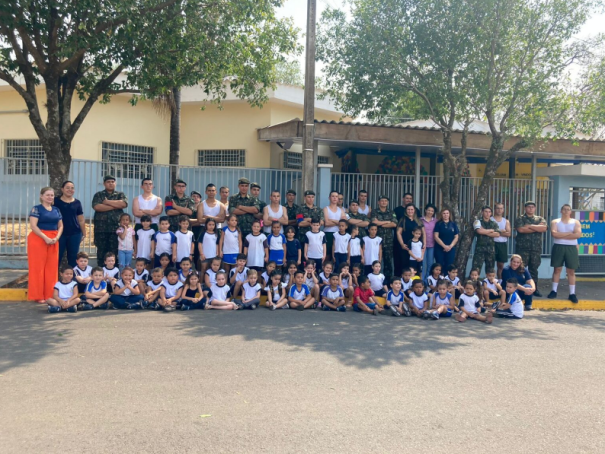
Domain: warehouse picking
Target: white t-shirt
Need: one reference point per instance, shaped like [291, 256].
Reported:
[376, 281]
[323, 279]
[418, 301]
[182, 276]
[365, 210]
[84, 273]
[172, 289]
[406, 285]
[183, 244]
[164, 242]
[241, 277]
[111, 273]
[144, 238]
[231, 242]
[126, 243]
[469, 302]
[315, 241]
[490, 285]
[92, 289]
[212, 275]
[148, 205]
[516, 305]
[396, 300]
[332, 294]
[371, 251]
[355, 246]
[345, 283]
[250, 291]
[502, 228]
[432, 281]
[309, 281]
[334, 216]
[276, 243]
[456, 281]
[209, 244]
[299, 294]
[127, 292]
[211, 211]
[144, 276]
[219, 293]
[66, 291]
[442, 302]
[276, 292]
[256, 249]
[341, 243]
[416, 248]
[153, 286]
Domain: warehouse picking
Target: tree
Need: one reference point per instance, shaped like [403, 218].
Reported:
[501, 61]
[289, 73]
[94, 50]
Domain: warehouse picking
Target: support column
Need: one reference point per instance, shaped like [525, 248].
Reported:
[417, 178]
[324, 183]
[512, 168]
[534, 171]
[308, 164]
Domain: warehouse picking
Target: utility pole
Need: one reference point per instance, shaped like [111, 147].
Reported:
[308, 159]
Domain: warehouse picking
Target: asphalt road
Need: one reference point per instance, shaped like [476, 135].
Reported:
[286, 381]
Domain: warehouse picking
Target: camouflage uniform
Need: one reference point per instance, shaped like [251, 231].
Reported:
[184, 202]
[485, 250]
[261, 208]
[292, 215]
[244, 221]
[529, 245]
[307, 212]
[106, 223]
[387, 239]
[361, 217]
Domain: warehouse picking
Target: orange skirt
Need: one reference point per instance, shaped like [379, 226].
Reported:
[43, 262]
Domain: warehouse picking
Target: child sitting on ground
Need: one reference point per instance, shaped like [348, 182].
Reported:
[332, 296]
[452, 276]
[126, 292]
[492, 291]
[346, 282]
[513, 307]
[300, 297]
[406, 279]
[96, 294]
[212, 271]
[193, 295]
[238, 275]
[185, 270]
[442, 302]
[434, 277]
[377, 280]
[276, 293]
[141, 274]
[417, 300]
[471, 307]
[82, 271]
[153, 289]
[219, 296]
[364, 298]
[111, 272]
[250, 298]
[394, 299]
[65, 293]
[171, 291]
[311, 280]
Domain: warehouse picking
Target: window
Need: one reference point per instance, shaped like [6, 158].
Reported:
[293, 160]
[25, 157]
[127, 161]
[221, 158]
[587, 199]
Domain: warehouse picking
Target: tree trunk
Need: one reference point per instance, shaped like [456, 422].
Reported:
[175, 135]
[58, 158]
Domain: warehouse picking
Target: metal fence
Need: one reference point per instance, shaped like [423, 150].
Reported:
[21, 181]
[513, 193]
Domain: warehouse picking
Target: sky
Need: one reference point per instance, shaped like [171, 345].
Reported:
[298, 10]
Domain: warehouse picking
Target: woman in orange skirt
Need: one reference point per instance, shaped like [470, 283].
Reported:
[43, 247]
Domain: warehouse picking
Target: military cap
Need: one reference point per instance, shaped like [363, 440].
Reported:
[530, 202]
[309, 192]
[383, 197]
[255, 185]
[109, 177]
[291, 191]
[179, 181]
[243, 181]
[196, 193]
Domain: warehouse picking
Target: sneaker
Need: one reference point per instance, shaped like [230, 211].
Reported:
[254, 306]
[54, 309]
[104, 306]
[300, 307]
[169, 308]
[319, 305]
[537, 293]
[86, 307]
[273, 307]
[286, 306]
[376, 311]
[134, 307]
[435, 315]
[551, 295]
[394, 311]
[325, 308]
[573, 298]
[406, 310]
[426, 315]
[314, 306]
[152, 306]
[184, 307]
[528, 308]
[72, 309]
[341, 309]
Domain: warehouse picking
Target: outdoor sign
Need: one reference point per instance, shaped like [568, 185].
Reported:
[593, 232]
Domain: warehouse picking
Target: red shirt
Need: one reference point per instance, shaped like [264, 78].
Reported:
[364, 295]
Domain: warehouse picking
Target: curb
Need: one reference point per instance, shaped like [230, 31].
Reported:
[20, 295]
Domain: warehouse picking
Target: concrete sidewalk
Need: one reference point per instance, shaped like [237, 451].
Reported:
[7, 276]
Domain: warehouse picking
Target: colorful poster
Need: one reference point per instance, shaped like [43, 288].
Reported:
[593, 232]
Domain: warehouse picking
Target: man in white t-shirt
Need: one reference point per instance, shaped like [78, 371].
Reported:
[147, 203]
[211, 208]
[501, 242]
[224, 194]
[274, 212]
[565, 232]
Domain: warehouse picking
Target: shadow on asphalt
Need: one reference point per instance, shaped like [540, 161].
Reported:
[356, 340]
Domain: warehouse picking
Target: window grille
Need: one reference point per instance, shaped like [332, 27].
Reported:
[127, 161]
[293, 160]
[26, 157]
[221, 158]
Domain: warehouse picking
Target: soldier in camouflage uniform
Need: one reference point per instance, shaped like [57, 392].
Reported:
[108, 205]
[485, 249]
[386, 220]
[528, 243]
[291, 209]
[255, 192]
[305, 213]
[244, 206]
[358, 219]
[177, 204]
